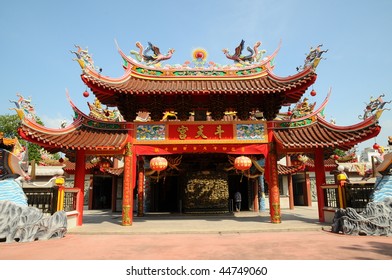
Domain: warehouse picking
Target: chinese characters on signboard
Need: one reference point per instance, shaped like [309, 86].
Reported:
[202, 132]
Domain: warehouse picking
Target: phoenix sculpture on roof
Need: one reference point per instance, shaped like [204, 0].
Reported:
[253, 56]
[143, 54]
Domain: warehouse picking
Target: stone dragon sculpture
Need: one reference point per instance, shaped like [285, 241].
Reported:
[18, 221]
[376, 219]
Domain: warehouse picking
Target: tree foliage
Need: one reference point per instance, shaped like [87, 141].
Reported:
[9, 126]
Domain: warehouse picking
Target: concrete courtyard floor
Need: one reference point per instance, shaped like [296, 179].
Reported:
[239, 236]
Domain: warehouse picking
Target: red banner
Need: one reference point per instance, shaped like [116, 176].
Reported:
[200, 148]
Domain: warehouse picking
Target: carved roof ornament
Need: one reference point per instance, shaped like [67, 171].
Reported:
[24, 108]
[302, 108]
[254, 54]
[375, 107]
[84, 58]
[97, 112]
[313, 58]
[199, 57]
[143, 55]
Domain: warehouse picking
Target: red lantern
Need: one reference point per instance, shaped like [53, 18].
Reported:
[242, 163]
[376, 146]
[158, 164]
[313, 92]
[86, 94]
[104, 165]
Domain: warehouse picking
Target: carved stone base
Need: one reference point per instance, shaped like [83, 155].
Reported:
[376, 219]
[25, 223]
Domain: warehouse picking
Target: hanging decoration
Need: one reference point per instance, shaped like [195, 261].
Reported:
[313, 92]
[86, 94]
[242, 163]
[158, 164]
[104, 165]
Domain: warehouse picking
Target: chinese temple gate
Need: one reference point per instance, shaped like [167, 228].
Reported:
[199, 116]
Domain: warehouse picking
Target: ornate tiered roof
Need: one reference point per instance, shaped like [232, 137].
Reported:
[242, 87]
[313, 131]
[322, 134]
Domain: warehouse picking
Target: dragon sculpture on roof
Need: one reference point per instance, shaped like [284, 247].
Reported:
[313, 57]
[24, 107]
[374, 107]
[84, 58]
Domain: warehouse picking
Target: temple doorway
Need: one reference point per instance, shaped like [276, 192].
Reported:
[165, 195]
[102, 192]
[301, 190]
[203, 183]
[239, 183]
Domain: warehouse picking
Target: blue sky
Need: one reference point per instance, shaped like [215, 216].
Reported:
[37, 36]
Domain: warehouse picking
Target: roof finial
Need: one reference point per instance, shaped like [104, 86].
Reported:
[313, 58]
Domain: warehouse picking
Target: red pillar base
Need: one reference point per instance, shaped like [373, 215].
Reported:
[127, 215]
[275, 213]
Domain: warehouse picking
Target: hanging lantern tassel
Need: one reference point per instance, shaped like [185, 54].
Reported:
[158, 177]
[158, 164]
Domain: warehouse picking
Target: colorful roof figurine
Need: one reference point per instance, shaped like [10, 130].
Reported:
[374, 107]
[97, 112]
[24, 107]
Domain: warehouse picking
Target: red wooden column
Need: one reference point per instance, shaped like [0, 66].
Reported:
[274, 195]
[273, 184]
[320, 180]
[308, 197]
[140, 191]
[80, 173]
[127, 205]
[290, 184]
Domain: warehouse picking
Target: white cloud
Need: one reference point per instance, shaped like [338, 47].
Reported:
[51, 122]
